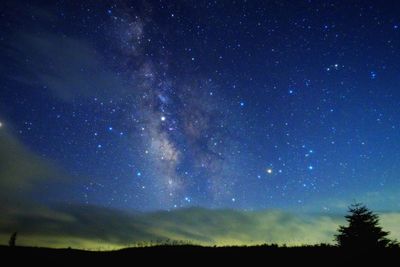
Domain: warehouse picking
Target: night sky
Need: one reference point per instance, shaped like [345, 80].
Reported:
[197, 107]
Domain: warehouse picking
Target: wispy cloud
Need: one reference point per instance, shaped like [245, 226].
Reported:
[22, 174]
[69, 67]
[22, 170]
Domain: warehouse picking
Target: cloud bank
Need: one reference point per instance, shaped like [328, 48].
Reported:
[91, 227]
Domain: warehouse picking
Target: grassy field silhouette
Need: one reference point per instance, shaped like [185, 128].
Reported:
[180, 254]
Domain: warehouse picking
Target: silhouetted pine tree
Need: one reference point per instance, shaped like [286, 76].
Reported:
[363, 230]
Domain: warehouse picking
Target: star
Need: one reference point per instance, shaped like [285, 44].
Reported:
[163, 118]
[269, 171]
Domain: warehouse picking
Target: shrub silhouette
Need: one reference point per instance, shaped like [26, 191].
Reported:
[363, 230]
[13, 239]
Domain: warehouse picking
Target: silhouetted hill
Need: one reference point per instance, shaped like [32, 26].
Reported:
[194, 255]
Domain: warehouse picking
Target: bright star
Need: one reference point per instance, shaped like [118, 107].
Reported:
[163, 118]
[269, 171]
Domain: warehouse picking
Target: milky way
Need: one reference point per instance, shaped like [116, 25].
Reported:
[179, 120]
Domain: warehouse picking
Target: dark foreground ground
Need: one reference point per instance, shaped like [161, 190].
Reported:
[186, 255]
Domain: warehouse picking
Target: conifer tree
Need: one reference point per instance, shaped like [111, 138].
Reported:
[363, 230]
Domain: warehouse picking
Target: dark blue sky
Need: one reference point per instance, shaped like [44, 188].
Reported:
[147, 105]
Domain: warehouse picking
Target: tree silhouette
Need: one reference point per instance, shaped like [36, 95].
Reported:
[12, 240]
[363, 231]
